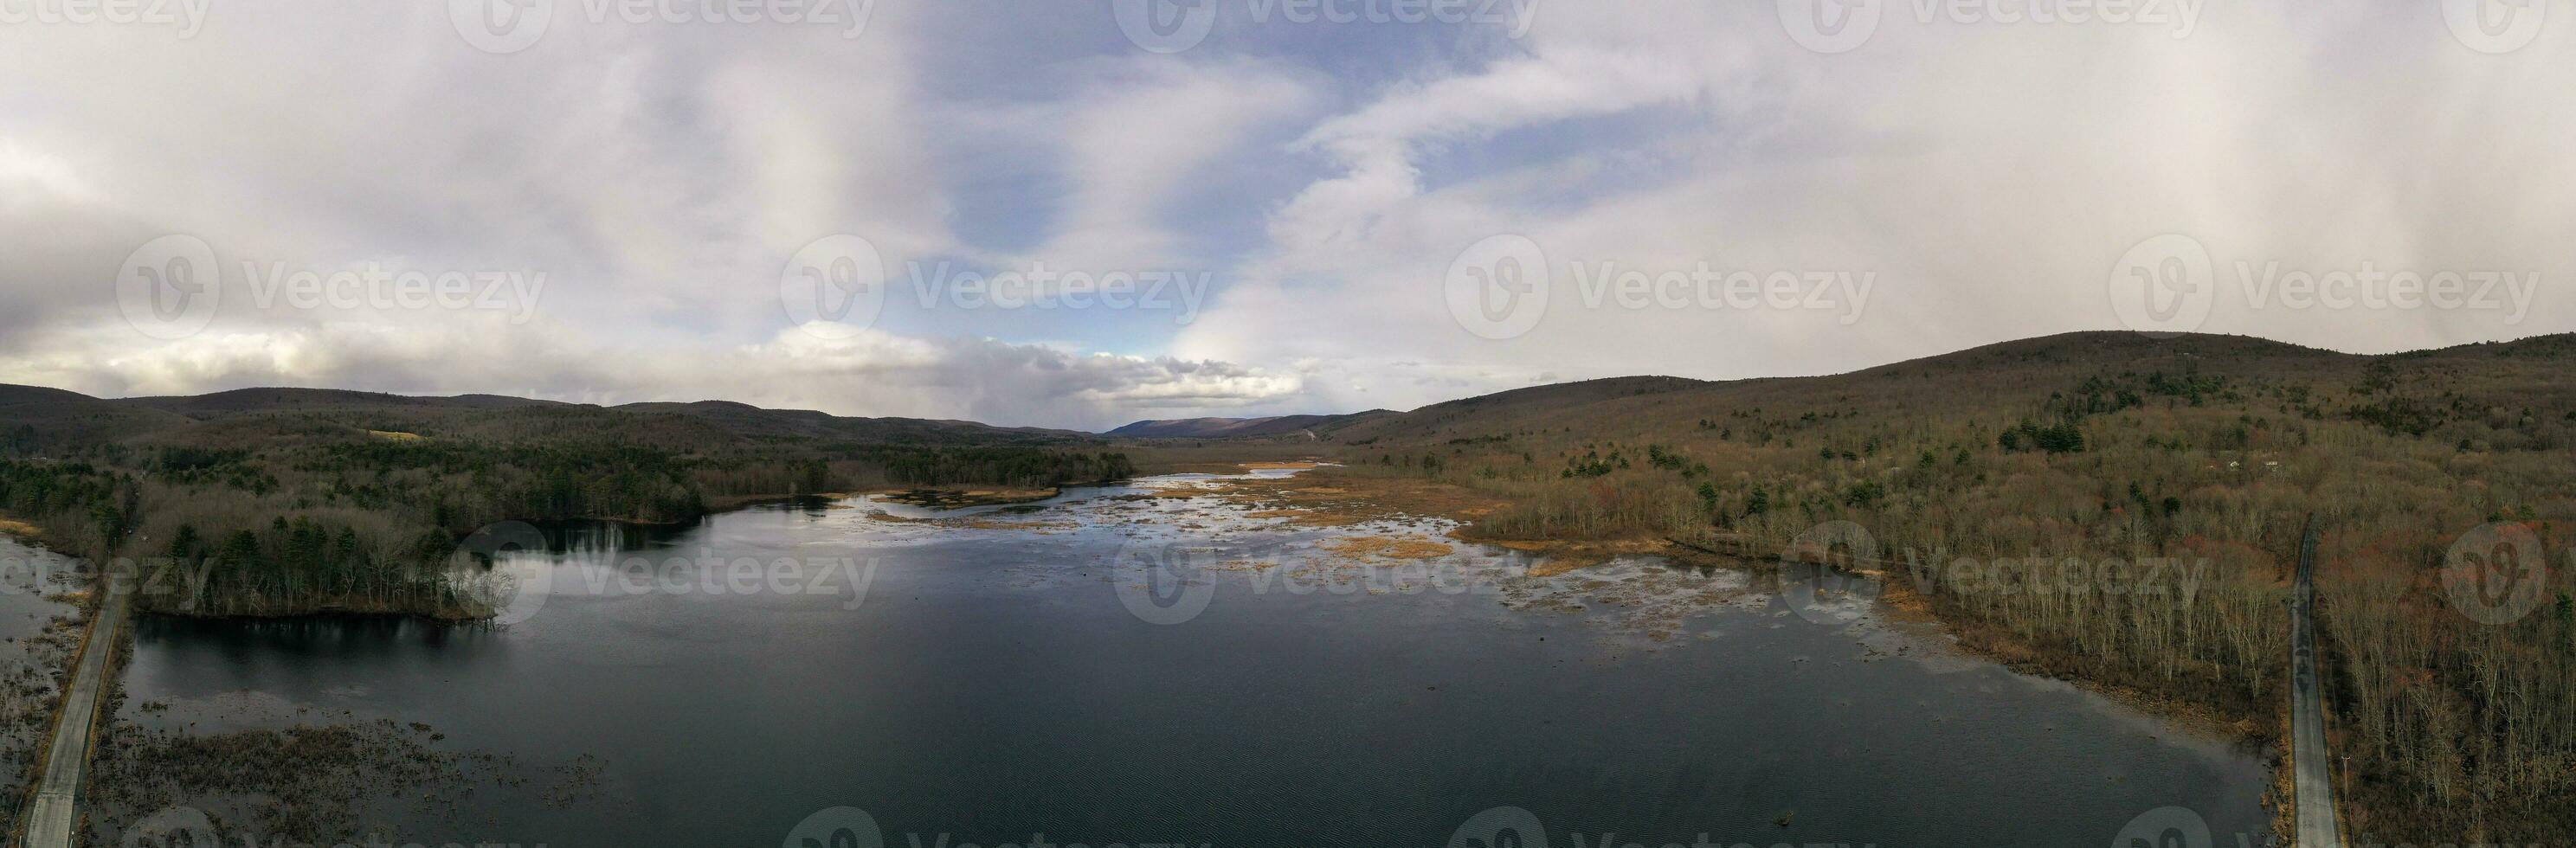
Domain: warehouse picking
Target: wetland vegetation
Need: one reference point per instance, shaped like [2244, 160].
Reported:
[2112, 451]
[2116, 448]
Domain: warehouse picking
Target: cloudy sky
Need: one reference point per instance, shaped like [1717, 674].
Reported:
[1083, 212]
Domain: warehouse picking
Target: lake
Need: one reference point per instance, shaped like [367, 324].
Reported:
[1145, 664]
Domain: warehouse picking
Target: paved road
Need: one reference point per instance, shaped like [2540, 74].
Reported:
[54, 813]
[2309, 760]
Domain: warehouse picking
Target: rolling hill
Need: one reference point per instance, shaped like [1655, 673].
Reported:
[2022, 489]
[2101, 449]
[2010, 380]
[55, 419]
[1308, 426]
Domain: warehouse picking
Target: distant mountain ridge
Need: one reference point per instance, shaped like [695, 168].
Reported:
[2009, 375]
[48, 416]
[2002, 379]
[1229, 428]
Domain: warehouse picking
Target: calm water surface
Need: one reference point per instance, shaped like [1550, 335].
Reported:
[994, 683]
[33, 581]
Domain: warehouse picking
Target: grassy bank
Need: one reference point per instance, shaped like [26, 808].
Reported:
[2101, 458]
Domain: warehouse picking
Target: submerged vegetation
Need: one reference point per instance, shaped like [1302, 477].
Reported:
[2108, 507]
[2160, 488]
[304, 784]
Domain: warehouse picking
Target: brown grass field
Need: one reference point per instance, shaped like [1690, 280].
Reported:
[2203, 453]
[2163, 482]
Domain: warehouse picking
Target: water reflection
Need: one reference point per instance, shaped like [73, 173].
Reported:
[992, 686]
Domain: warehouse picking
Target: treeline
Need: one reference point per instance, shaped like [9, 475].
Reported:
[2460, 723]
[469, 485]
[1015, 466]
[300, 566]
[84, 507]
[321, 516]
[2463, 731]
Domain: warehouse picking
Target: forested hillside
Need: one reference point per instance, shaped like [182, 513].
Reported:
[2171, 474]
[282, 501]
[2117, 447]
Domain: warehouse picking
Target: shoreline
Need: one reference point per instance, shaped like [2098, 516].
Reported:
[963, 497]
[1335, 501]
[1355, 498]
[720, 505]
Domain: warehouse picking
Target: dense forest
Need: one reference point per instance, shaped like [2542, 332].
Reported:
[279, 502]
[2205, 451]
[2108, 450]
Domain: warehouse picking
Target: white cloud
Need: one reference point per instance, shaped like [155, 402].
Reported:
[1133, 138]
[870, 374]
[1988, 176]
